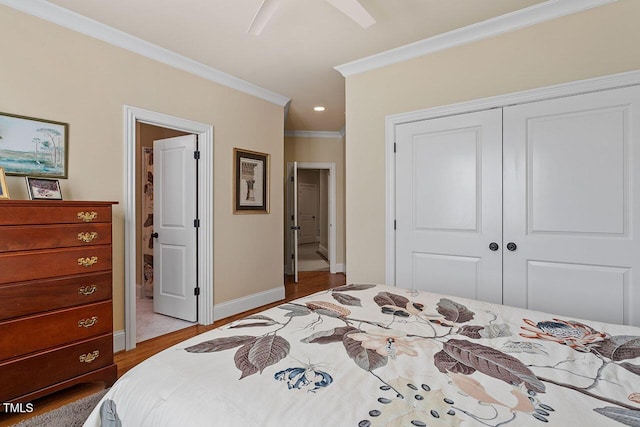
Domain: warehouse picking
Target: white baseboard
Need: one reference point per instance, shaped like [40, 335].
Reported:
[229, 308]
[340, 268]
[118, 341]
[324, 251]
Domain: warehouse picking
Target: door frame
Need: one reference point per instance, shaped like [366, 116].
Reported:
[332, 212]
[630, 78]
[204, 131]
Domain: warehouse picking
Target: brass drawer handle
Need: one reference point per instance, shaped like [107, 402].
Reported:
[87, 216]
[87, 290]
[88, 322]
[89, 357]
[88, 236]
[87, 262]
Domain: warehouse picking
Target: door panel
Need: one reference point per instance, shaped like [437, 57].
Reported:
[599, 289]
[577, 150]
[308, 212]
[446, 180]
[446, 274]
[448, 205]
[175, 263]
[568, 205]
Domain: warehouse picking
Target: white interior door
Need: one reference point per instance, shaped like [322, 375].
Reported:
[292, 196]
[571, 187]
[308, 212]
[448, 205]
[175, 263]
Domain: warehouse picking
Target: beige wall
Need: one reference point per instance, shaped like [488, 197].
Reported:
[50, 72]
[321, 150]
[597, 42]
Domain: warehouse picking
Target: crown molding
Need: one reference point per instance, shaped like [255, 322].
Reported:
[76, 22]
[313, 134]
[532, 15]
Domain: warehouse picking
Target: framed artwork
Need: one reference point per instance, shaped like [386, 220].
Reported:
[43, 189]
[251, 182]
[4, 191]
[33, 147]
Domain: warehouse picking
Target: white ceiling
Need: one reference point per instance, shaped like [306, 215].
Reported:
[296, 53]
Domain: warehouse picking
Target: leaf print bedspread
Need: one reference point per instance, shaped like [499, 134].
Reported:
[371, 355]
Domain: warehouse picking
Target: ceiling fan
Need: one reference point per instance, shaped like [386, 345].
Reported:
[352, 8]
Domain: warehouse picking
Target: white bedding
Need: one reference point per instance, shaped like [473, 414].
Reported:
[364, 355]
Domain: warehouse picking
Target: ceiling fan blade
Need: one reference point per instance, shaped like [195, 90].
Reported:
[354, 10]
[263, 15]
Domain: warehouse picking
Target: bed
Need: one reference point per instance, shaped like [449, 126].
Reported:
[372, 355]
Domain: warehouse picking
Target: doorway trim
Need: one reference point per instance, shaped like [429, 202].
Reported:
[332, 210]
[205, 212]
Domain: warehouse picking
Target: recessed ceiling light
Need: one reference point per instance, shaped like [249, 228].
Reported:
[318, 108]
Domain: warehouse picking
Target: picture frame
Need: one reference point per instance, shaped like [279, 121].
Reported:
[33, 147]
[251, 182]
[43, 188]
[4, 191]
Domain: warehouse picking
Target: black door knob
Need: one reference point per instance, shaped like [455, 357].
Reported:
[494, 246]
[154, 235]
[512, 246]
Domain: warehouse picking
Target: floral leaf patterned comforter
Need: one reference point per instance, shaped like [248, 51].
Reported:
[371, 355]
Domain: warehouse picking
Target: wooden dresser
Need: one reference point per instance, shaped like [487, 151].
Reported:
[56, 318]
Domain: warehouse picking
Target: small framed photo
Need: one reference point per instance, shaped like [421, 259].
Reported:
[251, 182]
[43, 188]
[33, 147]
[4, 191]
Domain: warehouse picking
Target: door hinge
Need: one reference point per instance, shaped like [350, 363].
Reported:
[291, 178]
[395, 224]
[196, 154]
[196, 223]
[395, 147]
[292, 256]
[196, 291]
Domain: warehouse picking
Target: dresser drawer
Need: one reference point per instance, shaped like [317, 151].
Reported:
[21, 299]
[31, 265]
[22, 238]
[39, 332]
[53, 213]
[23, 375]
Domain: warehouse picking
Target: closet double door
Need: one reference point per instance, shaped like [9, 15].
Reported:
[534, 205]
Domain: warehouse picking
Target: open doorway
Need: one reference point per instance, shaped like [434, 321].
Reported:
[204, 244]
[150, 321]
[313, 219]
[311, 213]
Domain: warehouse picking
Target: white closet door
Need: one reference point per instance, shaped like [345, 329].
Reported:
[571, 187]
[448, 205]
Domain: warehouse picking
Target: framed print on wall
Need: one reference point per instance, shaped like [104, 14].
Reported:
[4, 191]
[33, 147]
[251, 182]
[43, 189]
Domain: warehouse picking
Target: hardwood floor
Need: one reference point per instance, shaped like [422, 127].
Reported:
[309, 282]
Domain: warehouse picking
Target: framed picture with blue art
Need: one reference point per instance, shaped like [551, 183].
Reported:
[33, 147]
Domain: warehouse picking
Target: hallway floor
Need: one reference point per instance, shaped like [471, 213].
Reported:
[150, 325]
[310, 259]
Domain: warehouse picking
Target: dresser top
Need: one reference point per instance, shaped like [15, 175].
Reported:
[54, 203]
